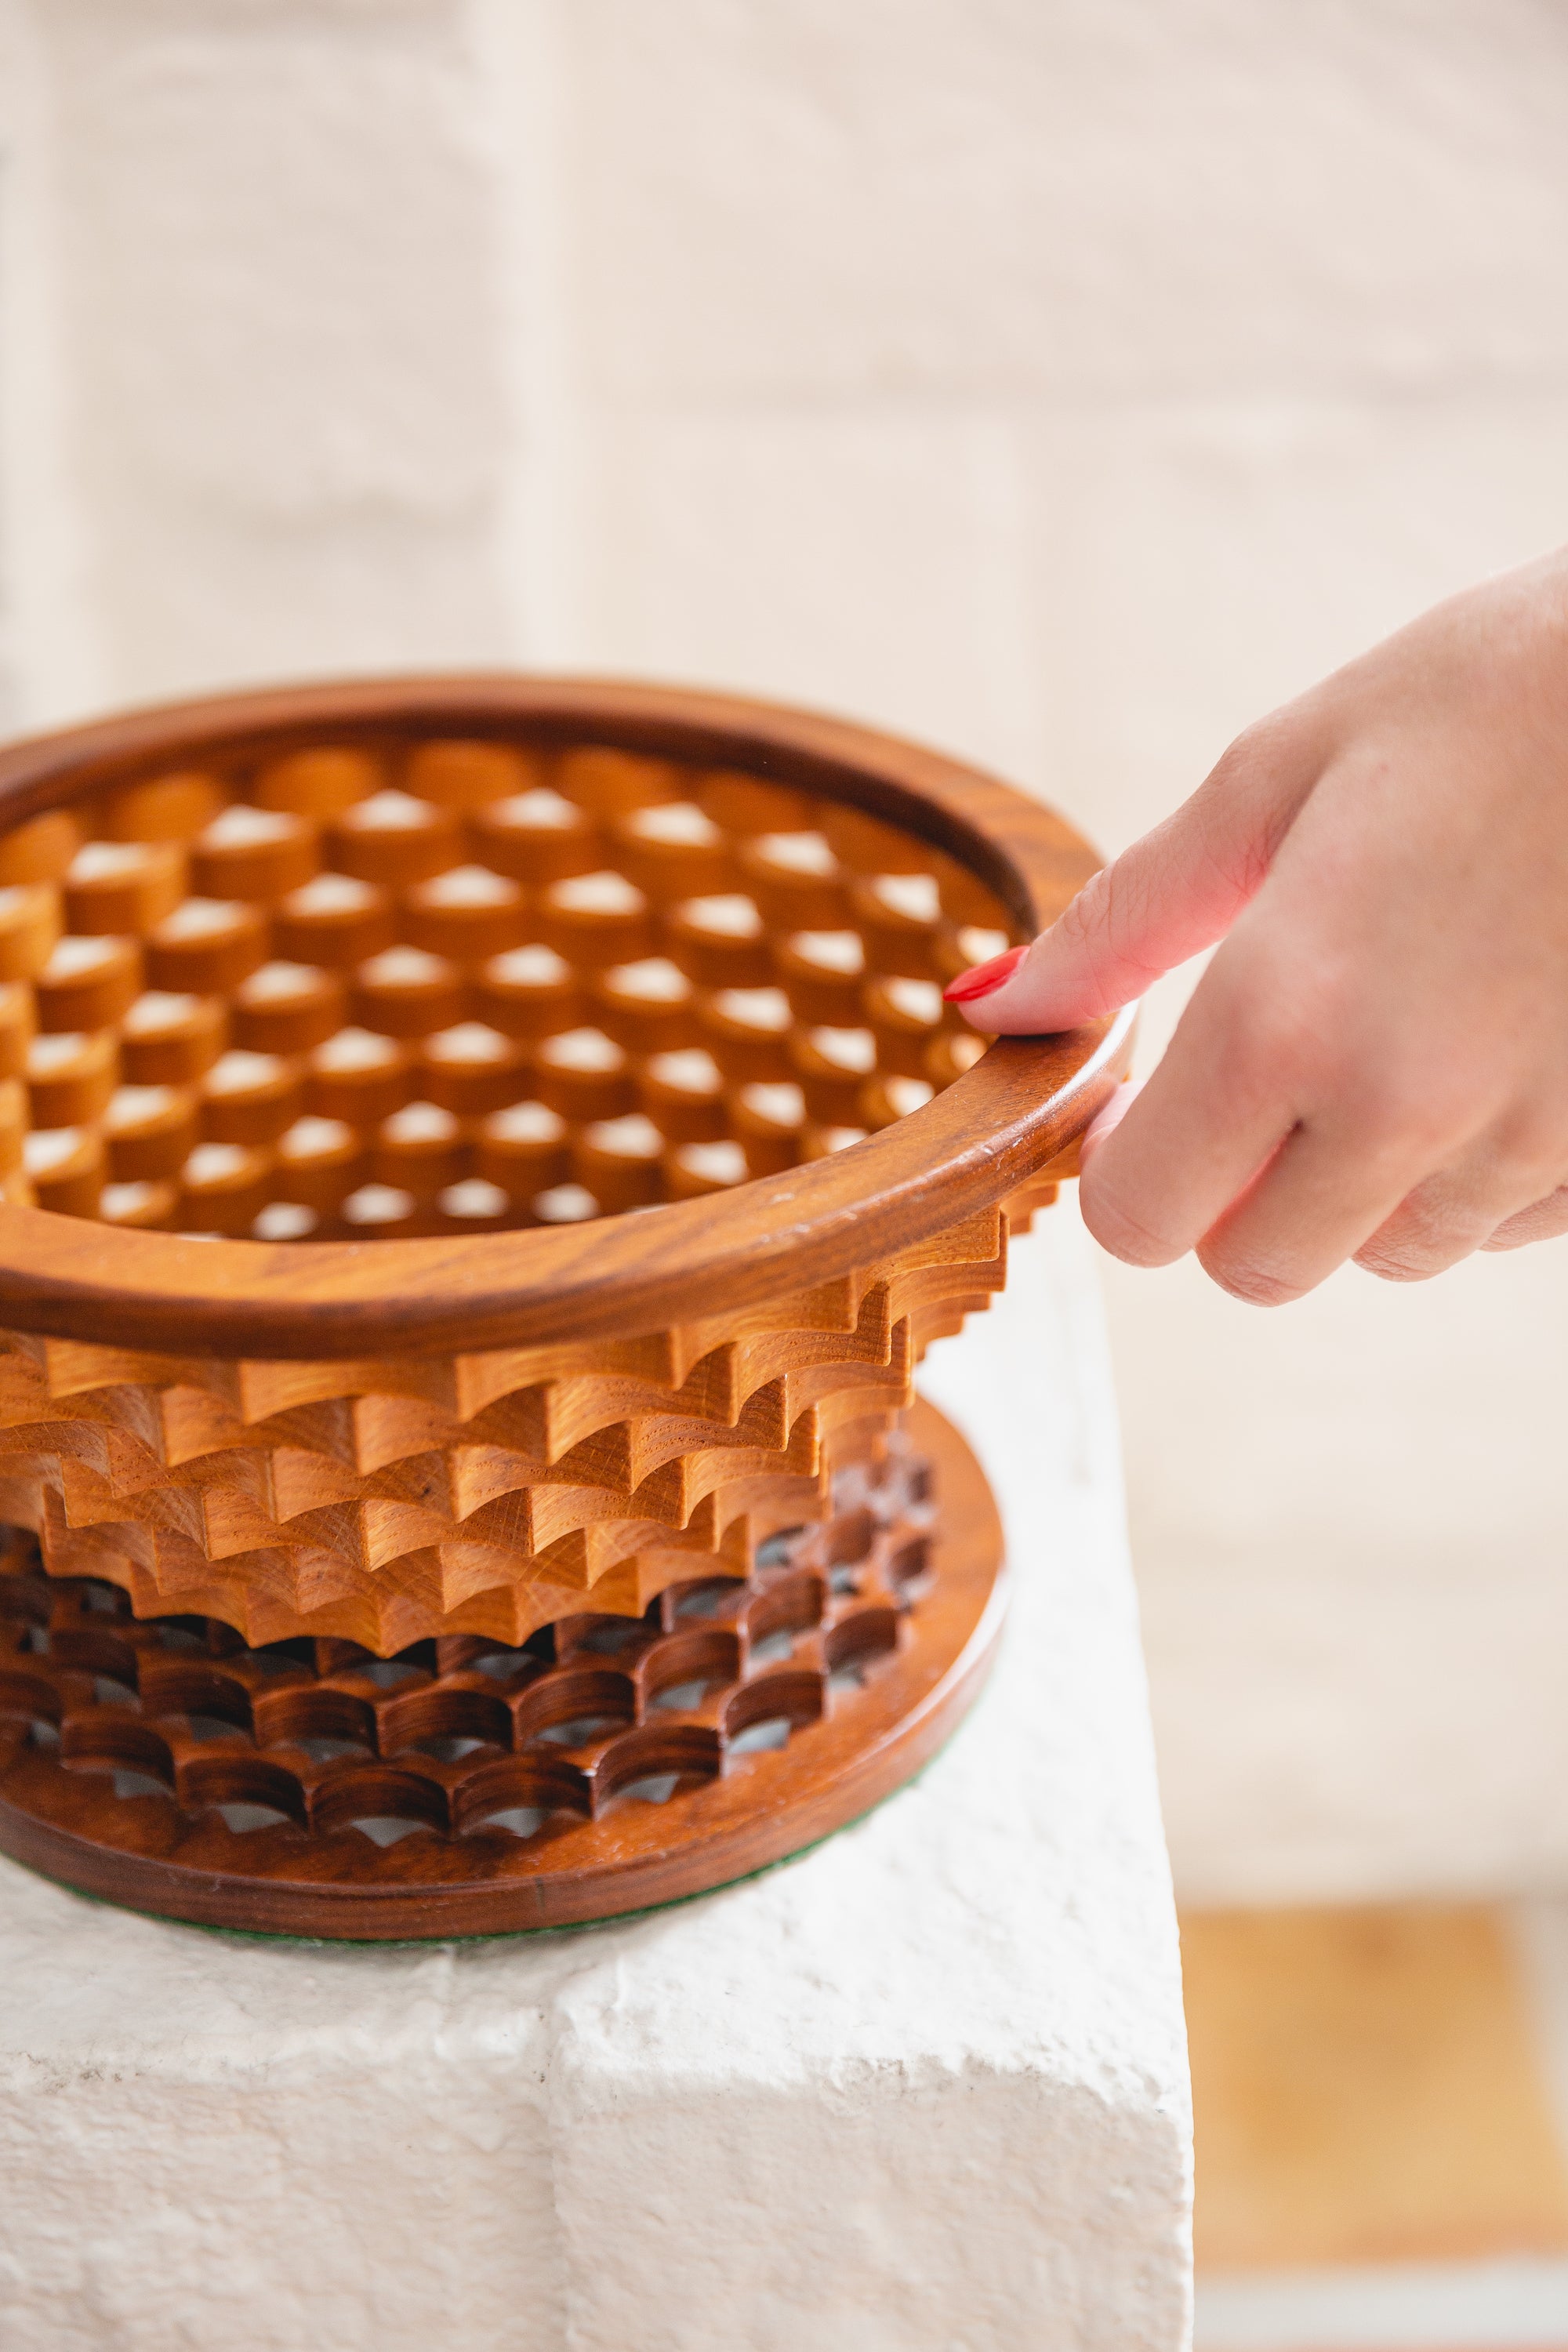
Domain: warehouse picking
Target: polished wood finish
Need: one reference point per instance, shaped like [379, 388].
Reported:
[480, 1162]
[315, 751]
[385, 1500]
[463, 1790]
[498, 956]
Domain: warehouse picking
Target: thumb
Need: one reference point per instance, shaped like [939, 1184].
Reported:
[1166, 898]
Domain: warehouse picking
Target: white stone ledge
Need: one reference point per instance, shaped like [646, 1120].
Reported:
[922, 2091]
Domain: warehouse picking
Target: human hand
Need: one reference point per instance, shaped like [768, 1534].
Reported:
[1375, 1064]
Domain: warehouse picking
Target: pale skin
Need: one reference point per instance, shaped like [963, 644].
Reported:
[1374, 1064]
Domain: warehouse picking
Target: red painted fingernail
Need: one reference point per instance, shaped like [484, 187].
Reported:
[982, 977]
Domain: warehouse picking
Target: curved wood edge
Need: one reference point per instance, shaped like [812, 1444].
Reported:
[1020, 847]
[727, 1832]
[996, 1127]
[625, 1275]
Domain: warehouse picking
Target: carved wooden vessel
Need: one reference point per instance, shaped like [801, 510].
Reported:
[482, 1159]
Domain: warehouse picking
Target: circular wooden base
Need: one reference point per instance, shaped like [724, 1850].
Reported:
[463, 1794]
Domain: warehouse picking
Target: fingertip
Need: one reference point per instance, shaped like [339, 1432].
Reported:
[1120, 1234]
[984, 978]
[1251, 1286]
[1029, 992]
[1121, 1237]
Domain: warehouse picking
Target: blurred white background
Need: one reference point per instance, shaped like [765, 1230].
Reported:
[1066, 381]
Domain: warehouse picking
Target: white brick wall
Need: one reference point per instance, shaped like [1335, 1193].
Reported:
[276, 254]
[1066, 381]
[1066, 201]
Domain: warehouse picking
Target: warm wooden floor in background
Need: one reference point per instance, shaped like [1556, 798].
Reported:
[1369, 2088]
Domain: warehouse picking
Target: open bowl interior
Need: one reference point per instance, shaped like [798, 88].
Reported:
[455, 980]
[480, 970]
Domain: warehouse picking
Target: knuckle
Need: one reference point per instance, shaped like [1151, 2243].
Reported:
[1544, 1219]
[1081, 935]
[1254, 752]
[1426, 1233]
[1256, 1287]
[1276, 1066]
[1387, 1116]
[1279, 1031]
[1294, 1044]
[1531, 1149]
[1306, 1030]
[1116, 1229]
[1394, 1262]
[1251, 771]
[1256, 1284]
[1079, 922]
[1100, 930]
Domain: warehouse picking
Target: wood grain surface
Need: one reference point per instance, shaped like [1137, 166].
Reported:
[980, 1137]
[177, 1773]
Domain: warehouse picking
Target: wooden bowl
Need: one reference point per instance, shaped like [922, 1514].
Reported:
[483, 1156]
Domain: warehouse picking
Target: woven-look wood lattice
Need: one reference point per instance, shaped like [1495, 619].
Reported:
[465, 1786]
[472, 987]
[480, 1156]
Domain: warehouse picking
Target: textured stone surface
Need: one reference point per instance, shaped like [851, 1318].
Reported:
[922, 2089]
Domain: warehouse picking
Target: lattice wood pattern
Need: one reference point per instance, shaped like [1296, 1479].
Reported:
[461, 986]
[410, 980]
[465, 1785]
[491, 1492]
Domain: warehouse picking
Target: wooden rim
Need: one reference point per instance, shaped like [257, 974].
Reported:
[979, 1139]
[826, 1778]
